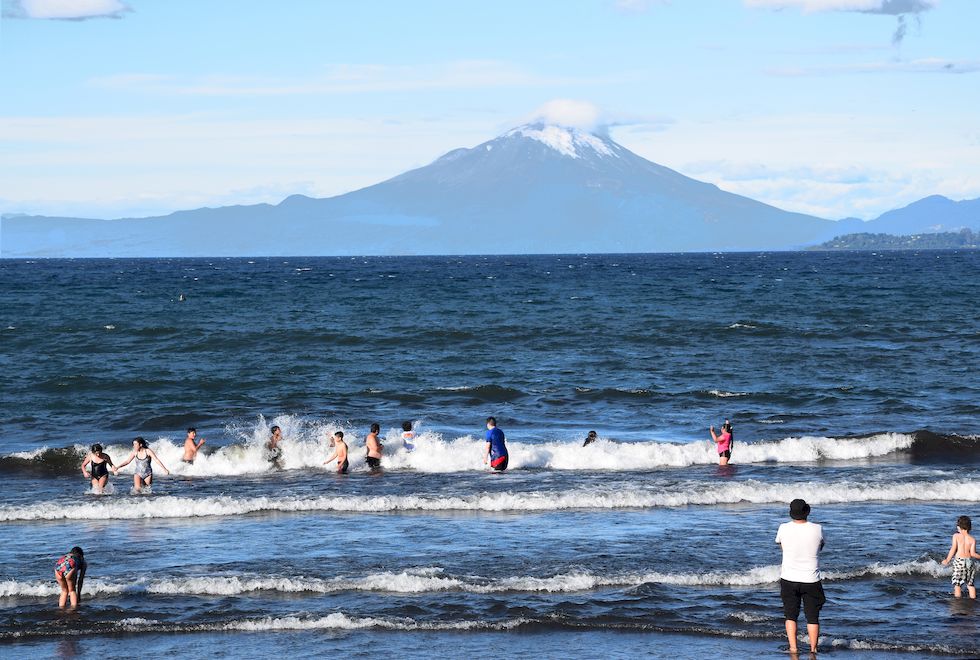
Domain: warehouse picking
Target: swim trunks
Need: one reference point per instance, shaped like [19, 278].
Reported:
[65, 565]
[727, 453]
[499, 464]
[810, 593]
[343, 468]
[964, 571]
[374, 463]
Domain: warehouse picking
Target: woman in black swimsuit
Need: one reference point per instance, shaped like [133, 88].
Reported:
[100, 464]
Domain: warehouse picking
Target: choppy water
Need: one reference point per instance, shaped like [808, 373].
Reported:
[849, 378]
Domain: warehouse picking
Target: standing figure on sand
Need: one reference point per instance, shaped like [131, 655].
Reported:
[99, 463]
[339, 453]
[724, 441]
[799, 576]
[191, 445]
[374, 448]
[69, 573]
[963, 554]
[143, 456]
[495, 453]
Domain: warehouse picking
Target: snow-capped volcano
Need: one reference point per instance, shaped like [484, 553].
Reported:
[540, 188]
[571, 142]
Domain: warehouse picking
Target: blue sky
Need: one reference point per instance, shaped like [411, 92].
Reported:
[141, 107]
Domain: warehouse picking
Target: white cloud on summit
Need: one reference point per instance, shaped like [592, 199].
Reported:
[589, 117]
[65, 10]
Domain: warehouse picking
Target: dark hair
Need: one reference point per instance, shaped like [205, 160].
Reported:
[492, 420]
[375, 428]
[140, 441]
[339, 434]
[96, 448]
[76, 551]
[799, 509]
[963, 522]
[274, 429]
[406, 426]
[592, 434]
[191, 429]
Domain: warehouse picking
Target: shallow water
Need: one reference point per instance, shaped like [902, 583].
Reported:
[637, 544]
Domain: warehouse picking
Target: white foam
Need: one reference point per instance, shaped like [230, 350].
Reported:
[307, 443]
[432, 579]
[749, 491]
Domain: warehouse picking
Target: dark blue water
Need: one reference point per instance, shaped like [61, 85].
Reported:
[848, 377]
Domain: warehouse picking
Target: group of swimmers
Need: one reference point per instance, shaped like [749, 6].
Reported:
[97, 463]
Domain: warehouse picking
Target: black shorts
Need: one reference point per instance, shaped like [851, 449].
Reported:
[343, 467]
[811, 595]
[374, 463]
[727, 453]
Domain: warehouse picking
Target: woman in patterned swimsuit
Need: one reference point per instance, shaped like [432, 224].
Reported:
[69, 572]
[143, 456]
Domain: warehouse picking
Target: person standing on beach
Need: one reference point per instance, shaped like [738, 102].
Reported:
[144, 466]
[339, 453]
[963, 554]
[190, 446]
[724, 442]
[495, 453]
[98, 472]
[374, 448]
[799, 578]
[69, 573]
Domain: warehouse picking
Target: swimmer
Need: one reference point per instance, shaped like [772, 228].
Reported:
[273, 450]
[339, 453]
[592, 437]
[143, 456]
[495, 453]
[69, 573]
[724, 442]
[407, 436]
[99, 463]
[374, 448]
[190, 447]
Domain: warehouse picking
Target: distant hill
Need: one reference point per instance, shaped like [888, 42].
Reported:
[535, 189]
[929, 215]
[963, 239]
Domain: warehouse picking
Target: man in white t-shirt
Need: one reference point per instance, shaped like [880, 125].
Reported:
[799, 579]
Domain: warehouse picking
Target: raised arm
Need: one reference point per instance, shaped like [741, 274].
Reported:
[714, 437]
[156, 458]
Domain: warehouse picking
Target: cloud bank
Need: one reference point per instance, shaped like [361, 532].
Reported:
[65, 10]
[897, 8]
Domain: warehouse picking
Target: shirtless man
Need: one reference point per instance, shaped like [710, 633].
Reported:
[964, 548]
[190, 447]
[272, 449]
[339, 453]
[374, 448]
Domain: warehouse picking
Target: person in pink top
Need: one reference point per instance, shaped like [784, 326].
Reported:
[724, 442]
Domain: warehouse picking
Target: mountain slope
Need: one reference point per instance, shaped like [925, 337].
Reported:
[537, 188]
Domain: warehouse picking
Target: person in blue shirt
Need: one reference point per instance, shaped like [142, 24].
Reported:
[496, 451]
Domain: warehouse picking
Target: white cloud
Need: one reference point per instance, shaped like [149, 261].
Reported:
[350, 79]
[890, 7]
[636, 6]
[66, 10]
[926, 65]
[589, 117]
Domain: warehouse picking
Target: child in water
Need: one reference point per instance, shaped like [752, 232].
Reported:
[143, 455]
[339, 453]
[964, 548]
[69, 572]
[100, 464]
[407, 436]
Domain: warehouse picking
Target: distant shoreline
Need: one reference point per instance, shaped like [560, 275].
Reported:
[959, 240]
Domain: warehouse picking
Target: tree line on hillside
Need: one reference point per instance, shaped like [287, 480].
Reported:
[965, 239]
